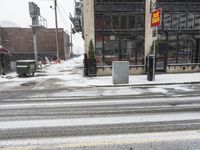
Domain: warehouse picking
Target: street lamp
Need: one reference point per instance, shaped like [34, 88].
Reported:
[56, 23]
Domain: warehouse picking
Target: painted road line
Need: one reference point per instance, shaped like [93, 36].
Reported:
[104, 140]
[4, 125]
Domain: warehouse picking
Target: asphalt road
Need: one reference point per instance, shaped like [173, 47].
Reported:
[35, 119]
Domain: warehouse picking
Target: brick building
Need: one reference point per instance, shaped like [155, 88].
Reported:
[19, 41]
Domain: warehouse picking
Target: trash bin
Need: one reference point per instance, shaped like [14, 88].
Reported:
[150, 71]
[26, 67]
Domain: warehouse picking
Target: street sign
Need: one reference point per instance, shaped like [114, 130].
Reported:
[156, 17]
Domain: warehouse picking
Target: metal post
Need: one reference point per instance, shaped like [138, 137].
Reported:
[154, 54]
[56, 22]
[35, 45]
[154, 59]
[71, 43]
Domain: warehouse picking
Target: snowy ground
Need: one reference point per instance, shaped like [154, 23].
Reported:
[70, 74]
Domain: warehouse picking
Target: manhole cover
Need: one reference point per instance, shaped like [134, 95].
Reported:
[28, 83]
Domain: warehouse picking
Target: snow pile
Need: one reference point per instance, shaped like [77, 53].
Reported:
[68, 65]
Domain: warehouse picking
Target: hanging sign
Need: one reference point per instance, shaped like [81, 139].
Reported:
[156, 17]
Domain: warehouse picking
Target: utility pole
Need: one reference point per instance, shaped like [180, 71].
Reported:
[35, 45]
[71, 43]
[56, 22]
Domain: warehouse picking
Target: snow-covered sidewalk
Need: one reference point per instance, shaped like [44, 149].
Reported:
[70, 74]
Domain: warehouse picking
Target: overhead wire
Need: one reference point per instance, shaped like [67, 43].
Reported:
[63, 9]
[63, 12]
[61, 15]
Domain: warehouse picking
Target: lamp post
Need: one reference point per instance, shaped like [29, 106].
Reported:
[155, 22]
[56, 23]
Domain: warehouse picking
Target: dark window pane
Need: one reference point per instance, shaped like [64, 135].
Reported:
[135, 7]
[131, 22]
[182, 21]
[123, 23]
[194, 7]
[102, 7]
[166, 7]
[99, 44]
[197, 21]
[175, 18]
[99, 22]
[140, 49]
[99, 48]
[115, 22]
[172, 54]
[107, 20]
[119, 7]
[179, 7]
[131, 51]
[140, 22]
[185, 48]
[167, 21]
[190, 21]
[111, 49]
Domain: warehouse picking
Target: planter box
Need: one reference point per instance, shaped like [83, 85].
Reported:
[91, 67]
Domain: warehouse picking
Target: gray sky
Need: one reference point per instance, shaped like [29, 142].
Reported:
[17, 11]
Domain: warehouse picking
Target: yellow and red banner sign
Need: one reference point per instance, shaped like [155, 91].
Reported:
[156, 17]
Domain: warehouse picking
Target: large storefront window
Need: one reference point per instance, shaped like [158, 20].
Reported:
[115, 47]
[180, 30]
[119, 31]
[179, 48]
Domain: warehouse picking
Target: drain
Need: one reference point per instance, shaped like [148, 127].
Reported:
[28, 83]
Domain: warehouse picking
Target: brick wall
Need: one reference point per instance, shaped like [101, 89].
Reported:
[20, 40]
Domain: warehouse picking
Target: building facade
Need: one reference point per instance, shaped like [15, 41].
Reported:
[19, 41]
[179, 34]
[121, 30]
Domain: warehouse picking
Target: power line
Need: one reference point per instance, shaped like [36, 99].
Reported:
[60, 6]
[63, 18]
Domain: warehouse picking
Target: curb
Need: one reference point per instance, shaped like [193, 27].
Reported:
[154, 84]
[101, 86]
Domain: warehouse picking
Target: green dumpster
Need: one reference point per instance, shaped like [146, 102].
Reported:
[25, 67]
